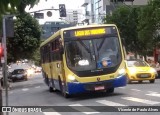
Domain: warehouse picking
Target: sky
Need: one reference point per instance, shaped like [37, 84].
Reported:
[43, 4]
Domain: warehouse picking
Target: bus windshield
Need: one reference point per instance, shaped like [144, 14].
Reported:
[93, 53]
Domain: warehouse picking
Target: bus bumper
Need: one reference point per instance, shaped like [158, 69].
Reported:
[76, 87]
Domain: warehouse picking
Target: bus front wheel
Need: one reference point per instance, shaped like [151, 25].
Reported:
[128, 80]
[110, 90]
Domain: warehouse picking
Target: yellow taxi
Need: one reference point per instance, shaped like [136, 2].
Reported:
[139, 70]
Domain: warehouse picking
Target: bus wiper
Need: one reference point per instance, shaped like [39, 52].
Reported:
[88, 50]
[98, 48]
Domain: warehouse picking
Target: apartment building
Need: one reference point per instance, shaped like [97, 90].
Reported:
[95, 10]
[50, 27]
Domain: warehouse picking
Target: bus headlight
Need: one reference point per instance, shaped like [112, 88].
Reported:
[122, 71]
[71, 77]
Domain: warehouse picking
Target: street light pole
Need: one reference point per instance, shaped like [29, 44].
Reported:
[5, 58]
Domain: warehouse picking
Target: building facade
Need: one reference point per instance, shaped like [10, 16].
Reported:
[49, 28]
[73, 16]
[95, 10]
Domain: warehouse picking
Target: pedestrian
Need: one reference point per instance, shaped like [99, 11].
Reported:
[152, 64]
[149, 61]
[2, 83]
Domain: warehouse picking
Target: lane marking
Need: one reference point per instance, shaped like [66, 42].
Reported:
[37, 86]
[11, 92]
[25, 89]
[83, 108]
[135, 90]
[140, 100]
[51, 113]
[154, 94]
[110, 103]
[122, 87]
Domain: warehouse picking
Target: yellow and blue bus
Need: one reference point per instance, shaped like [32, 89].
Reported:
[84, 58]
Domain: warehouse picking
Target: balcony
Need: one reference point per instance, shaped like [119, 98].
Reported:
[87, 13]
[86, 2]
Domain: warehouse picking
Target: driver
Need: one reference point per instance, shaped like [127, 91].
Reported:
[104, 62]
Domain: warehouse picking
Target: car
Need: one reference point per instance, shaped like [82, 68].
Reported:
[158, 72]
[18, 74]
[139, 70]
[38, 69]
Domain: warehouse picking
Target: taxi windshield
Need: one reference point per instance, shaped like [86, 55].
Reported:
[137, 63]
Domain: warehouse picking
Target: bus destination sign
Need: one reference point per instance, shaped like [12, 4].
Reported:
[89, 32]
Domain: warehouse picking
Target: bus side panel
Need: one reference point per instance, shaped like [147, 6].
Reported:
[56, 73]
[44, 68]
[47, 67]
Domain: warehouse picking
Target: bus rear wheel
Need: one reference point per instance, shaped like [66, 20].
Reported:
[63, 89]
[51, 87]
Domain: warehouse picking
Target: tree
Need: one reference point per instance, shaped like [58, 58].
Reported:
[149, 25]
[126, 20]
[16, 7]
[19, 4]
[36, 55]
[26, 40]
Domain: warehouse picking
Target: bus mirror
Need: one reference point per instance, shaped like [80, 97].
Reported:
[124, 51]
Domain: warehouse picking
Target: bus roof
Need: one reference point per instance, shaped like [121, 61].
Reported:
[73, 28]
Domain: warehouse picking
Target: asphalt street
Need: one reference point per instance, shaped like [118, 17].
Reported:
[35, 93]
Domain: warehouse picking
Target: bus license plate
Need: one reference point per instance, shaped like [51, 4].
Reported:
[99, 88]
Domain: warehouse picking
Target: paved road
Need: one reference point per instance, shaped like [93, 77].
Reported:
[35, 93]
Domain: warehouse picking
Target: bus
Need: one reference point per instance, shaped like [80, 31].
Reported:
[83, 59]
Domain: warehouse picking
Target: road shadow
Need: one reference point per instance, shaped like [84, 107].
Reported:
[143, 82]
[89, 95]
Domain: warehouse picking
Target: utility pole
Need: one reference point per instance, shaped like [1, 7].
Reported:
[7, 32]
[92, 11]
[5, 62]
[1, 102]
[1, 98]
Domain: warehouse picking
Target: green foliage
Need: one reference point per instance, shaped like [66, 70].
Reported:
[139, 26]
[19, 4]
[16, 7]
[126, 20]
[26, 40]
[149, 24]
[36, 56]
[23, 3]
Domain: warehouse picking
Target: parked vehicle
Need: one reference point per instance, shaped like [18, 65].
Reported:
[139, 70]
[18, 74]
